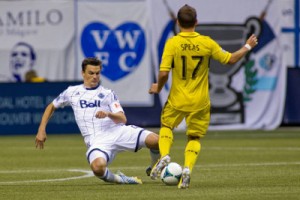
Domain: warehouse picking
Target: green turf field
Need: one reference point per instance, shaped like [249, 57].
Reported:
[232, 165]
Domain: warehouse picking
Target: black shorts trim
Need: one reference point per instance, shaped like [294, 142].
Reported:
[97, 149]
[138, 141]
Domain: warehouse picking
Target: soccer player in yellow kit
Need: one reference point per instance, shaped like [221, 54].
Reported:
[187, 54]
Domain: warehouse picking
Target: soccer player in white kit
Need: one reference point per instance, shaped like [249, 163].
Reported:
[101, 121]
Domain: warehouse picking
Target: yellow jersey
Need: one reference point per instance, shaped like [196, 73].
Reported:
[187, 54]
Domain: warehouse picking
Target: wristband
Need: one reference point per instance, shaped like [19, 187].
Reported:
[248, 46]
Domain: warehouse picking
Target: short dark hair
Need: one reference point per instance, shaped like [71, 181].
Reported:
[91, 61]
[187, 16]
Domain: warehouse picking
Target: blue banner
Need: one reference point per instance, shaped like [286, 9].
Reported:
[22, 106]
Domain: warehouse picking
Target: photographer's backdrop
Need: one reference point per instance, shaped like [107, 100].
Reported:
[53, 37]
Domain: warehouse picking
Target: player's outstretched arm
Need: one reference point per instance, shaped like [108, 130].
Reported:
[41, 136]
[118, 117]
[237, 55]
[162, 79]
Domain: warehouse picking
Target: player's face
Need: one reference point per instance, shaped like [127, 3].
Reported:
[91, 76]
[20, 60]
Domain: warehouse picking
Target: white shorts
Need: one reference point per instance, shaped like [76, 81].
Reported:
[121, 138]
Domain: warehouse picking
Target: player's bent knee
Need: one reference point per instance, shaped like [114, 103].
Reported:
[98, 167]
[152, 141]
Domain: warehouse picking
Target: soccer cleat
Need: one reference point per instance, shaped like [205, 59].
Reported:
[185, 179]
[148, 170]
[158, 167]
[128, 180]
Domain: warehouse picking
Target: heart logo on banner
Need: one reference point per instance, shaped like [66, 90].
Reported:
[120, 50]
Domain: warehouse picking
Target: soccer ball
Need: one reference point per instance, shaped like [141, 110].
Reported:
[171, 174]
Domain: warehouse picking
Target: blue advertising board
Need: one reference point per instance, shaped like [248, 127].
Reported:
[292, 108]
[22, 106]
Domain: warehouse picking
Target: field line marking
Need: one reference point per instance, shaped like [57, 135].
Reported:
[87, 174]
[247, 164]
[254, 148]
[248, 148]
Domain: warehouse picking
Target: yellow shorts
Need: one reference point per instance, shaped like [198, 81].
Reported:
[197, 122]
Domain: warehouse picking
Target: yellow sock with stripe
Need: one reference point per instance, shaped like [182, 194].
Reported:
[165, 141]
[192, 151]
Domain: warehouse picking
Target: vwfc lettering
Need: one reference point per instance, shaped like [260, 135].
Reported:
[85, 104]
[120, 49]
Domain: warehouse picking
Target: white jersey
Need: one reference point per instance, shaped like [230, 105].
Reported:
[85, 103]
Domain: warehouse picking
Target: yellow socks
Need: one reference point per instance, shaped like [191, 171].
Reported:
[165, 141]
[192, 151]
[192, 148]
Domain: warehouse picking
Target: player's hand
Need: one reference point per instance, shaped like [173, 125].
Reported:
[40, 139]
[153, 89]
[252, 41]
[101, 114]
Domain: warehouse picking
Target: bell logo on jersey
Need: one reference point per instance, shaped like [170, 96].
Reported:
[86, 104]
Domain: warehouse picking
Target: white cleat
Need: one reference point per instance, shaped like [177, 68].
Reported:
[128, 180]
[158, 167]
[185, 179]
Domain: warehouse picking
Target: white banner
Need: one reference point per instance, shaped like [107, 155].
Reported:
[37, 35]
[118, 33]
[250, 94]
[53, 37]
